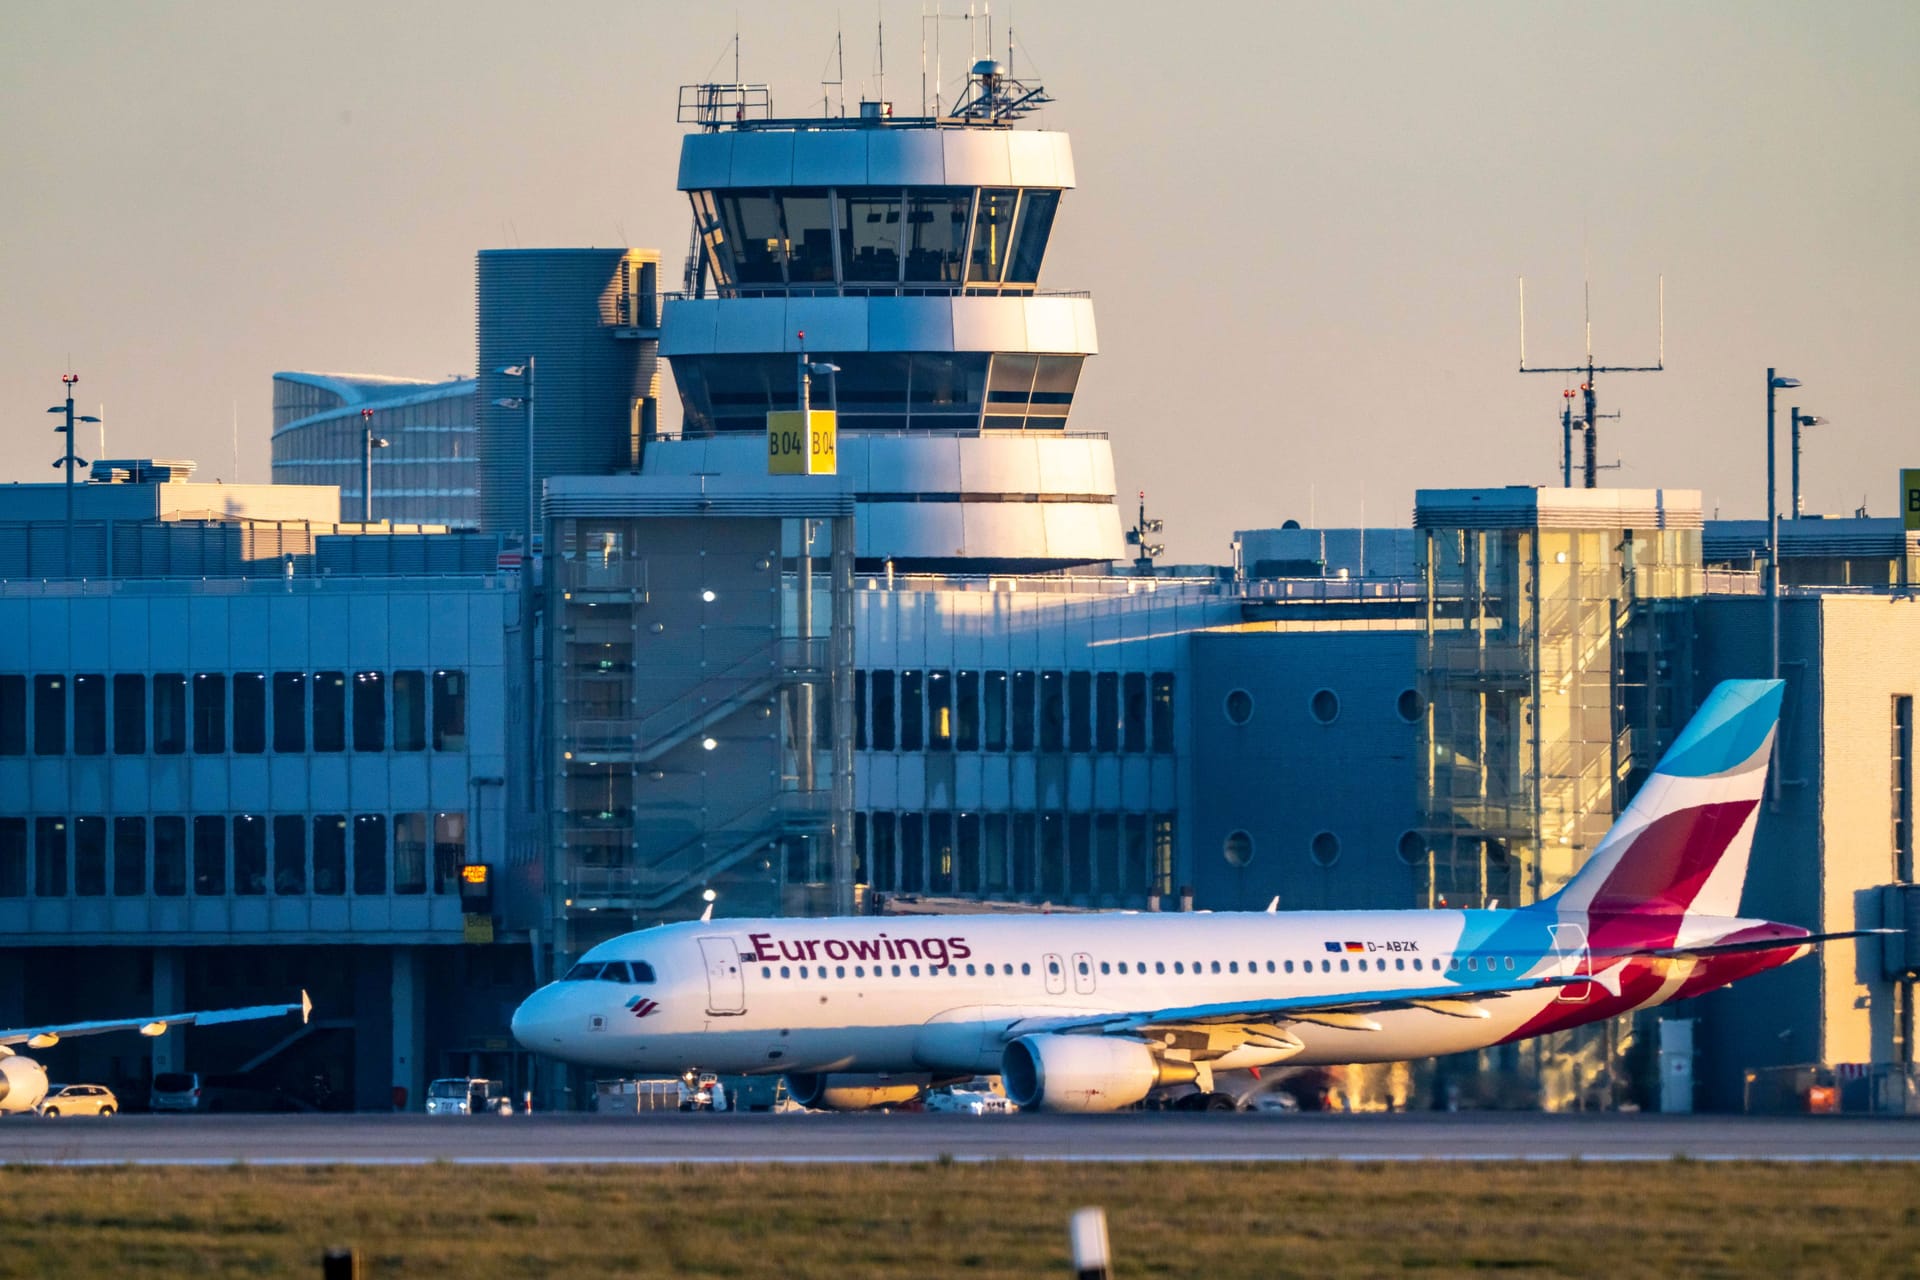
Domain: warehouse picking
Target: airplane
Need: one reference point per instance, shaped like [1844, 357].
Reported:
[1095, 1012]
[23, 1081]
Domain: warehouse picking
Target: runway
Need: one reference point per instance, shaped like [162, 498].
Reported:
[673, 1138]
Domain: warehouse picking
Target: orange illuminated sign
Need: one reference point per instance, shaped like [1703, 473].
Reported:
[474, 873]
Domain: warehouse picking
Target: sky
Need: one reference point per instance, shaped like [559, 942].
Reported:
[1302, 223]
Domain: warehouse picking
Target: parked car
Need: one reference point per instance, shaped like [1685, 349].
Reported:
[463, 1096]
[78, 1100]
[176, 1091]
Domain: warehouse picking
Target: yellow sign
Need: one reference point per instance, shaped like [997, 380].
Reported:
[476, 929]
[1910, 496]
[474, 873]
[797, 448]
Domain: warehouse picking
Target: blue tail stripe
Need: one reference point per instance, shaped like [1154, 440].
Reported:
[1727, 730]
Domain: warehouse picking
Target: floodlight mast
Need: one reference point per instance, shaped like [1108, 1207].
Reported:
[69, 459]
[1591, 416]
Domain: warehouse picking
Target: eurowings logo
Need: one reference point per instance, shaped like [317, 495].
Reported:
[642, 1006]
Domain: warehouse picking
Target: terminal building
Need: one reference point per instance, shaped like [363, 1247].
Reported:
[932, 681]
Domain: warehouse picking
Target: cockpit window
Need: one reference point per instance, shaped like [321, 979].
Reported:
[642, 971]
[615, 972]
[582, 973]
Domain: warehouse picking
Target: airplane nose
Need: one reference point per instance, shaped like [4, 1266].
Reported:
[535, 1024]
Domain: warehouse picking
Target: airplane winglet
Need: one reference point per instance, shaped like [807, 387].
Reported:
[306, 1007]
[1274, 905]
[1610, 978]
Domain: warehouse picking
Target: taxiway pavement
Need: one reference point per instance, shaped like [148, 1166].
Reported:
[673, 1138]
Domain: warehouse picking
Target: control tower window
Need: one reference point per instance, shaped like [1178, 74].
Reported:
[873, 388]
[870, 236]
[937, 234]
[1031, 228]
[752, 226]
[1009, 389]
[945, 391]
[992, 236]
[1055, 378]
[809, 219]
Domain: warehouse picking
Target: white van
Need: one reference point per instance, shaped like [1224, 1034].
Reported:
[462, 1096]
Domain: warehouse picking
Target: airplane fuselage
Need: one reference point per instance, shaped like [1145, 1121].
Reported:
[945, 994]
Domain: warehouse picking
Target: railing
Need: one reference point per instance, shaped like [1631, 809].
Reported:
[857, 289]
[850, 423]
[1323, 589]
[304, 584]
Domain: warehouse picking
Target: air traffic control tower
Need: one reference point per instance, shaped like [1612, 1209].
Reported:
[908, 252]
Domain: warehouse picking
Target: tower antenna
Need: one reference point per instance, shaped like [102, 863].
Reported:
[1589, 420]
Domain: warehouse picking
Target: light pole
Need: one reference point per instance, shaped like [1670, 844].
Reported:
[69, 459]
[1799, 420]
[1774, 383]
[524, 401]
[368, 443]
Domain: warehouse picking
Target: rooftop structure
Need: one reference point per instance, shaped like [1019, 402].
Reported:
[423, 466]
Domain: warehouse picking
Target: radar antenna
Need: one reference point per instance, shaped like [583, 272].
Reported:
[1589, 420]
[994, 95]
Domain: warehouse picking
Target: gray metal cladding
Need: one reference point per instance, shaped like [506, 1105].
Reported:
[566, 309]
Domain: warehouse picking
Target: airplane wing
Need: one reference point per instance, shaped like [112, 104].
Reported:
[1347, 1011]
[48, 1036]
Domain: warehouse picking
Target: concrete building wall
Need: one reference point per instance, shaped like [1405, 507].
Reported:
[1329, 804]
[1824, 850]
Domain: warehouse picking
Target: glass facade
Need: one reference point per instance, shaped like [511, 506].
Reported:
[1555, 673]
[1109, 859]
[875, 239]
[238, 724]
[239, 855]
[427, 474]
[1552, 676]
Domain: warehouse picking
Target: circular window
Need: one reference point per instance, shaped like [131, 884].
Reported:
[1237, 849]
[1412, 848]
[1239, 706]
[1326, 848]
[1325, 706]
[1410, 705]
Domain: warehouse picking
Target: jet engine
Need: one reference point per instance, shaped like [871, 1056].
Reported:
[843, 1091]
[23, 1082]
[1085, 1073]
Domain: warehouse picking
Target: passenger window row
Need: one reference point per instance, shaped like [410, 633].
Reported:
[244, 855]
[1160, 968]
[243, 712]
[1083, 712]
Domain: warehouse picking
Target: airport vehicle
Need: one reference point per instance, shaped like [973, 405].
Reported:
[968, 1099]
[78, 1100]
[23, 1081]
[176, 1091]
[1094, 1012]
[468, 1096]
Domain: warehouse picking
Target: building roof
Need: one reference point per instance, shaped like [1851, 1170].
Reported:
[1523, 506]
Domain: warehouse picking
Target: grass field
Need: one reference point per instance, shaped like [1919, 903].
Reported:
[1212, 1220]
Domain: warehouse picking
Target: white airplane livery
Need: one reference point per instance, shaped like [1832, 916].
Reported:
[1094, 1012]
[23, 1081]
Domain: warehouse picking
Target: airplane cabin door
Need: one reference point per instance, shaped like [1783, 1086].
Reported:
[726, 985]
[1082, 973]
[1570, 950]
[1056, 974]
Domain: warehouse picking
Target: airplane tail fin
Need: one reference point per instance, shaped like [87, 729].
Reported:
[1682, 846]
